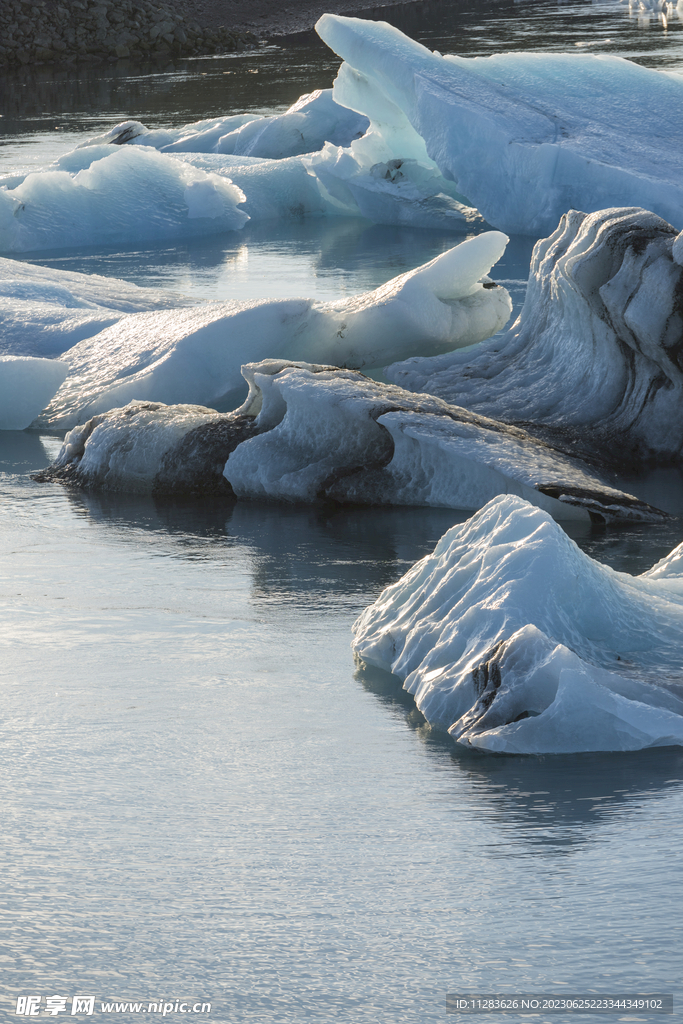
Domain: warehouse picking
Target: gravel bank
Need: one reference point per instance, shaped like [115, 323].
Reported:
[40, 31]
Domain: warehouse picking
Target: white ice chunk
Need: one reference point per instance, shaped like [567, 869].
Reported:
[26, 386]
[274, 189]
[528, 136]
[198, 137]
[596, 350]
[129, 195]
[328, 433]
[195, 355]
[513, 640]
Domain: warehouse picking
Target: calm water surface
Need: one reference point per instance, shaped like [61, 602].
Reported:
[203, 797]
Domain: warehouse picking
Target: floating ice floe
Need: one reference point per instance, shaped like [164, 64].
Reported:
[309, 432]
[194, 355]
[44, 312]
[306, 126]
[513, 640]
[383, 174]
[525, 137]
[596, 355]
[26, 386]
[130, 194]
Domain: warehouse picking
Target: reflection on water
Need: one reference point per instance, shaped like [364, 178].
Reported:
[200, 796]
[320, 258]
[556, 800]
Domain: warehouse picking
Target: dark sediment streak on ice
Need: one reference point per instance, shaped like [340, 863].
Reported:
[310, 433]
[575, 657]
[594, 363]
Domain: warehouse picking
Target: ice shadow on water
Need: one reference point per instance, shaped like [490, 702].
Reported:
[556, 800]
[21, 452]
[312, 553]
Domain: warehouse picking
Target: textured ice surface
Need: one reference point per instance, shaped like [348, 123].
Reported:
[194, 355]
[513, 640]
[526, 137]
[43, 312]
[199, 136]
[26, 386]
[308, 432]
[597, 351]
[328, 433]
[124, 197]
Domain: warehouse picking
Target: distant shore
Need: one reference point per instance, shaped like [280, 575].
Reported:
[270, 18]
[34, 32]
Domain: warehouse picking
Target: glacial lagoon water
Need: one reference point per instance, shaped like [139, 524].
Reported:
[203, 798]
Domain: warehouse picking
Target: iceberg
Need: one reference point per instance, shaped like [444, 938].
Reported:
[129, 195]
[44, 312]
[514, 641]
[26, 386]
[194, 355]
[310, 432]
[524, 136]
[594, 360]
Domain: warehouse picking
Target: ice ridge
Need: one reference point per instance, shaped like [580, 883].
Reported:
[310, 432]
[595, 359]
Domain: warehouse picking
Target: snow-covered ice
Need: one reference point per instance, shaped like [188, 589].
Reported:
[596, 353]
[524, 136]
[26, 386]
[194, 355]
[513, 640]
[308, 432]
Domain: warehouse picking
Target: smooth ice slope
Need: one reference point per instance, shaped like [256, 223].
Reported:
[194, 355]
[26, 386]
[527, 137]
[308, 432]
[44, 312]
[513, 640]
[597, 351]
[124, 197]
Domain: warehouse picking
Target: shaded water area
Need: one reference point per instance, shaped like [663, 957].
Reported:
[204, 798]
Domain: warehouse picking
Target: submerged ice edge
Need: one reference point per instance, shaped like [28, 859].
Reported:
[514, 641]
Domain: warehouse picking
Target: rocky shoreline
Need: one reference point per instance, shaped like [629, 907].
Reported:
[40, 32]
